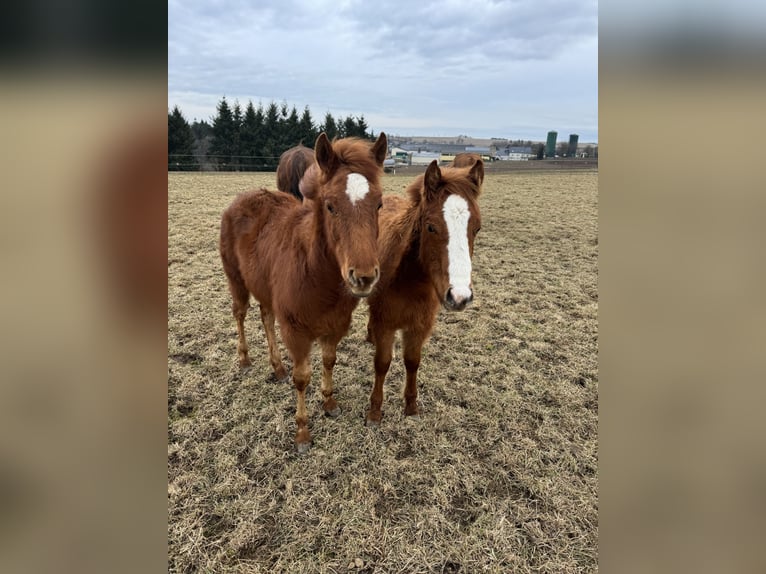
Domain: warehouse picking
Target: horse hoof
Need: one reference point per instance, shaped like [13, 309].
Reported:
[272, 378]
[369, 423]
[303, 447]
[244, 363]
[413, 418]
[333, 413]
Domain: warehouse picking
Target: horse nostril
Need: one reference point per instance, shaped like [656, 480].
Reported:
[363, 280]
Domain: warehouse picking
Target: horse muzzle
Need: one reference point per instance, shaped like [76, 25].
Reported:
[361, 283]
[457, 300]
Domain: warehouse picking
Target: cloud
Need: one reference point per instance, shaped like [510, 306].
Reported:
[477, 67]
[439, 31]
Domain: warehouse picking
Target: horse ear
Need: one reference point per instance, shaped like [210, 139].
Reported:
[476, 174]
[431, 180]
[380, 149]
[325, 156]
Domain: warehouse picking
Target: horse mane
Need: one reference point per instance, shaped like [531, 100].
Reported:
[356, 152]
[399, 229]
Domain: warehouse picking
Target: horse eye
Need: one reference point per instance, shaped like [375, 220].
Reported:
[380, 205]
[477, 230]
[431, 228]
[330, 208]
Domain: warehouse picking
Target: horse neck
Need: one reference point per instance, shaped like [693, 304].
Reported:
[319, 256]
[401, 249]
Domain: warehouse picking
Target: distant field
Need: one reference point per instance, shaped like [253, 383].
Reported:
[498, 167]
[499, 475]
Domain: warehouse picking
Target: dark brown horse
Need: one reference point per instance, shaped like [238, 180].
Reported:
[425, 249]
[292, 165]
[307, 264]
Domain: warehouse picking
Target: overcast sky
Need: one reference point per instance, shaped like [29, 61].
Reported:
[511, 68]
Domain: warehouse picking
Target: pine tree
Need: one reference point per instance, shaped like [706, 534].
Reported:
[271, 137]
[201, 129]
[236, 147]
[349, 127]
[329, 127]
[250, 137]
[291, 130]
[254, 139]
[203, 136]
[307, 131]
[361, 128]
[224, 134]
[180, 143]
[260, 140]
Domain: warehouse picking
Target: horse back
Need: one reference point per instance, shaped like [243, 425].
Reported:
[254, 230]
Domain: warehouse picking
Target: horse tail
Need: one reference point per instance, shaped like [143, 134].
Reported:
[230, 261]
[295, 188]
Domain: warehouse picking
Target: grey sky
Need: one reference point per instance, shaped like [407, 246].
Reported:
[483, 68]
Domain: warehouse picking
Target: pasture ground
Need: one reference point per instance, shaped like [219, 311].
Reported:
[500, 473]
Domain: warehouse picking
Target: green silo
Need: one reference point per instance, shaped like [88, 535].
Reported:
[550, 144]
[572, 148]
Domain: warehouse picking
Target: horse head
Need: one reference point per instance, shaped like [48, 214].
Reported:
[344, 186]
[449, 221]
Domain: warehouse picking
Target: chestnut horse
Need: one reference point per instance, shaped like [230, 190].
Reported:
[425, 249]
[292, 165]
[307, 264]
[465, 159]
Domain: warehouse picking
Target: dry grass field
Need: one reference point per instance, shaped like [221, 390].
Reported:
[498, 475]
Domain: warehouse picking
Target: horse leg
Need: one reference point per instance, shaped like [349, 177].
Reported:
[267, 317]
[331, 407]
[384, 342]
[239, 307]
[301, 378]
[413, 346]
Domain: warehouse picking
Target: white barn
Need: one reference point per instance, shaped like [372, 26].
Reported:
[424, 157]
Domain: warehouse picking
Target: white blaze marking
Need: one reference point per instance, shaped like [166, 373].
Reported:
[456, 216]
[357, 187]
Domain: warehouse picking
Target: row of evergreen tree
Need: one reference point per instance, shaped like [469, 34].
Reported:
[251, 140]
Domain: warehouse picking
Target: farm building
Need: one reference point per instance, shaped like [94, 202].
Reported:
[400, 155]
[481, 150]
[423, 158]
[433, 147]
[425, 152]
[446, 158]
[517, 153]
[484, 151]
